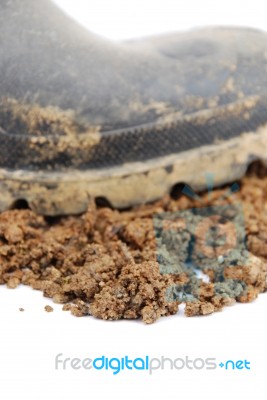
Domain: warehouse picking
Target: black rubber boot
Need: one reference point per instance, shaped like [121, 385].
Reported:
[82, 117]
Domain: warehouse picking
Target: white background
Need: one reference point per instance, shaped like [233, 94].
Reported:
[119, 19]
[29, 341]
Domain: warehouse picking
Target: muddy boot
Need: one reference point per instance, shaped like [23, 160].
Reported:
[82, 117]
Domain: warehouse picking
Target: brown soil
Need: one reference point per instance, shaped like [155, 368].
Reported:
[103, 263]
[49, 309]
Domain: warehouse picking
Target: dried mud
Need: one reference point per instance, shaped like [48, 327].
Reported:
[34, 120]
[104, 263]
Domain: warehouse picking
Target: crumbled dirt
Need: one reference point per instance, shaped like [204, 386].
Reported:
[34, 120]
[49, 309]
[106, 263]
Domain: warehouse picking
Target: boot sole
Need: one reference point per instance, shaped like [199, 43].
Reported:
[59, 193]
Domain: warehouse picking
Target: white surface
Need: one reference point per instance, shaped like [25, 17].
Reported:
[119, 19]
[30, 341]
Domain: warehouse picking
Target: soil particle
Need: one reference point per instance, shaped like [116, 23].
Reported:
[49, 309]
[107, 263]
[13, 283]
